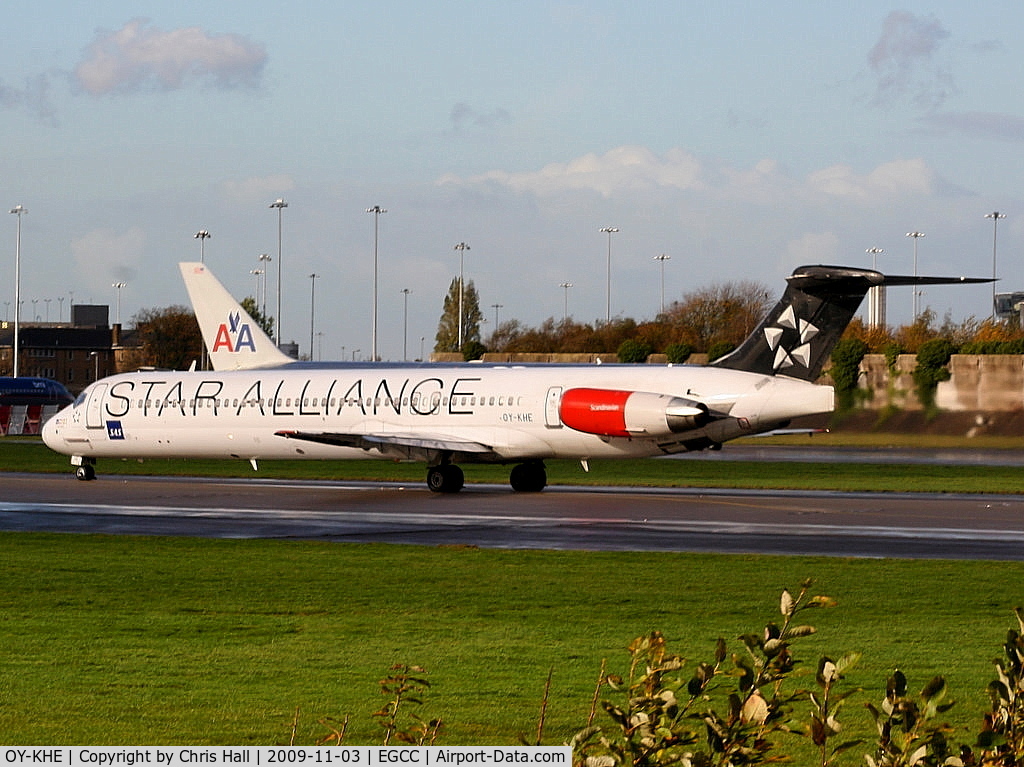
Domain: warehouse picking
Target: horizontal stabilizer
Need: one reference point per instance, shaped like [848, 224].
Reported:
[798, 335]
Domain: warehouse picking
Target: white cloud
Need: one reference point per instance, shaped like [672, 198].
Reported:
[891, 180]
[626, 168]
[136, 57]
[811, 248]
[630, 169]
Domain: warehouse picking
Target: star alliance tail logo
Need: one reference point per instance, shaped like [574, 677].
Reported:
[800, 352]
[234, 335]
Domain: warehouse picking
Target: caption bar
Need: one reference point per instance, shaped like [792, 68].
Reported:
[281, 756]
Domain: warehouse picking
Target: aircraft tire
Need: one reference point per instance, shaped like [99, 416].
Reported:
[85, 473]
[528, 478]
[445, 479]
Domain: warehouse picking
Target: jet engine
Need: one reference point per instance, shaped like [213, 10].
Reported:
[615, 413]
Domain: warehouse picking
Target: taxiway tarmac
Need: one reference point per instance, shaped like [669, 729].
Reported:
[779, 522]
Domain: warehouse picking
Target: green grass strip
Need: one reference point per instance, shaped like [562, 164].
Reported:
[699, 471]
[163, 641]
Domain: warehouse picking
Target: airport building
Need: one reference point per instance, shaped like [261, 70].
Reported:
[75, 353]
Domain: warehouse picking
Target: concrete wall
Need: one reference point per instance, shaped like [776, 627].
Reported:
[978, 382]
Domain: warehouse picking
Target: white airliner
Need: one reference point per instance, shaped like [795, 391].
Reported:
[258, 403]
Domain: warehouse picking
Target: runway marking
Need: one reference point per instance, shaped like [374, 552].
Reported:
[401, 519]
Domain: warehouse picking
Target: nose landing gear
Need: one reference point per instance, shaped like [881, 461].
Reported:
[86, 470]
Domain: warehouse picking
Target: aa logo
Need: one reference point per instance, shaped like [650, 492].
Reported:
[234, 335]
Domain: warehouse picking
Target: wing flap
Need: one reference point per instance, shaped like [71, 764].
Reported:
[432, 442]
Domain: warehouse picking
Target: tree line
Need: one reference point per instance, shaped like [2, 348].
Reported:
[711, 320]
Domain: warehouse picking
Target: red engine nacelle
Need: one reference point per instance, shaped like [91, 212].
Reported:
[614, 413]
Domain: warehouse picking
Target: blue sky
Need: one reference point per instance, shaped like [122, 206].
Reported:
[742, 140]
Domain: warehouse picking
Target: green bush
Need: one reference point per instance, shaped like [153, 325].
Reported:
[678, 353]
[473, 350]
[634, 351]
[845, 371]
[719, 349]
[932, 358]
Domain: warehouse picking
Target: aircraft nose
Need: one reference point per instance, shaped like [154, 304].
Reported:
[52, 430]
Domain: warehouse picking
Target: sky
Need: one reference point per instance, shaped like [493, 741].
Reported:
[740, 139]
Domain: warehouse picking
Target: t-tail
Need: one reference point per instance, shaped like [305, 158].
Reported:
[798, 335]
[233, 339]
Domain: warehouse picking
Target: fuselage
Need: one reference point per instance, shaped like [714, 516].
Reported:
[514, 411]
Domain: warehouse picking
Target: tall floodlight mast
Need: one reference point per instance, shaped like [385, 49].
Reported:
[609, 230]
[916, 235]
[19, 211]
[376, 210]
[462, 248]
[995, 216]
[280, 205]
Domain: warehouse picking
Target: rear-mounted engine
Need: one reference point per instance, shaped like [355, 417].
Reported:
[614, 413]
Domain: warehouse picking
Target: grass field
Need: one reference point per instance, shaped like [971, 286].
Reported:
[32, 455]
[125, 640]
[171, 641]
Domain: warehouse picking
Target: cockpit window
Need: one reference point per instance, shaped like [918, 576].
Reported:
[80, 399]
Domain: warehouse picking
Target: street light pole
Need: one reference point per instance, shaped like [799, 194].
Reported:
[995, 216]
[462, 248]
[119, 285]
[405, 325]
[202, 235]
[258, 273]
[266, 270]
[312, 310]
[662, 258]
[565, 301]
[280, 205]
[916, 235]
[876, 294]
[609, 230]
[376, 210]
[19, 211]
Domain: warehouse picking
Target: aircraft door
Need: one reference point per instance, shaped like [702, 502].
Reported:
[551, 402]
[93, 408]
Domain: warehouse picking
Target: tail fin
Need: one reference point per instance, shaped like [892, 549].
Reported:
[234, 340]
[797, 336]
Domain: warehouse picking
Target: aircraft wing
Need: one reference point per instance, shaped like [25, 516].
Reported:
[429, 443]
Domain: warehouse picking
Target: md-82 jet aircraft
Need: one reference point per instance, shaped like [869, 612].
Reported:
[258, 403]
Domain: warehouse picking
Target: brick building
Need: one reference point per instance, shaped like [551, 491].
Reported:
[75, 353]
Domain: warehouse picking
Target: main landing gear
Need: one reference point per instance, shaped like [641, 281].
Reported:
[525, 478]
[447, 478]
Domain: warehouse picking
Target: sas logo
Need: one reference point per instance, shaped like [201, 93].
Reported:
[234, 335]
[114, 430]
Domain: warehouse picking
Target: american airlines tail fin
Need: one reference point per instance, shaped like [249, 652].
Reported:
[797, 336]
[232, 337]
